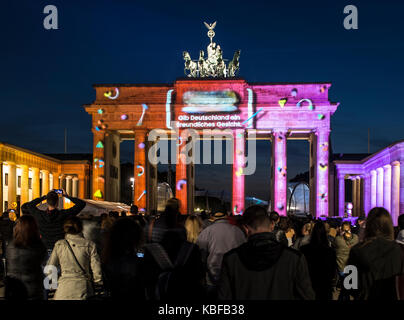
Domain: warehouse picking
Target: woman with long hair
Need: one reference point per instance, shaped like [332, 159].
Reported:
[25, 255]
[193, 225]
[79, 263]
[321, 261]
[377, 259]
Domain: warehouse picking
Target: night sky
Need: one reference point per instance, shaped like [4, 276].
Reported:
[47, 75]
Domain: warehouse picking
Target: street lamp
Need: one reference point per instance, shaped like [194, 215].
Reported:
[132, 186]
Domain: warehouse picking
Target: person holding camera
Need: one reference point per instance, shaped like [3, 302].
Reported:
[50, 221]
[343, 244]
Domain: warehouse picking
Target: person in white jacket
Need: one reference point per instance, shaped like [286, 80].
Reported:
[214, 241]
[79, 263]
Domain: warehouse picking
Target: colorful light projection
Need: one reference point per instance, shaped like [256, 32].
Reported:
[209, 101]
[310, 106]
[141, 145]
[323, 167]
[141, 196]
[100, 145]
[282, 102]
[144, 108]
[101, 179]
[324, 146]
[141, 170]
[254, 115]
[168, 108]
[250, 105]
[239, 172]
[98, 194]
[180, 183]
[321, 116]
[323, 196]
[100, 111]
[108, 94]
[124, 117]
[294, 92]
[181, 141]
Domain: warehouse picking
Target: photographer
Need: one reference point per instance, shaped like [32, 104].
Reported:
[50, 222]
[343, 244]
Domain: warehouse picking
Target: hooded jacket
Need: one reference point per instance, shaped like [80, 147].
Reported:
[264, 269]
[51, 222]
[378, 262]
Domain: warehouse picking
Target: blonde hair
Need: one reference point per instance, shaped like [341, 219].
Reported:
[193, 225]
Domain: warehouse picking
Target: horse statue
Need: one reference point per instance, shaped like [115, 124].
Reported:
[234, 64]
[202, 64]
[190, 65]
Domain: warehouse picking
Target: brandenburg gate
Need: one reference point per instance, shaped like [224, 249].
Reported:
[210, 96]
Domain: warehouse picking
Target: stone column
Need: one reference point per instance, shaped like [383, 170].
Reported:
[140, 196]
[75, 187]
[387, 187]
[379, 187]
[322, 167]
[354, 196]
[238, 176]
[312, 173]
[69, 185]
[45, 182]
[12, 183]
[395, 191]
[373, 189]
[1, 187]
[366, 193]
[181, 176]
[341, 195]
[279, 172]
[359, 195]
[35, 183]
[24, 184]
[98, 183]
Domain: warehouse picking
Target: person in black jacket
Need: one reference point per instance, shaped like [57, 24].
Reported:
[50, 222]
[262, 268]
[322, 262]
[122, 261]
[25, 255]
[378, 259]
[6, 231]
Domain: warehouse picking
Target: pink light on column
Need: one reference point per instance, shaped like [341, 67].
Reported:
[387, 187]
[279, 186]
[341, 195]
[395, 191]
[379, 187]
[322, 173]
[373, 189]
[238, 176]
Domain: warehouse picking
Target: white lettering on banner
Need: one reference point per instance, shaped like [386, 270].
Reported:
[209, 121]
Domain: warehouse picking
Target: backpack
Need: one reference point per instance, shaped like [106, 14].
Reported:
[171, 274]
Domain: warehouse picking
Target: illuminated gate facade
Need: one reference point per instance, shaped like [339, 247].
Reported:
[277, 111]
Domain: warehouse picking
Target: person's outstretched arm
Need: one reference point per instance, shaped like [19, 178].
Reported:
[31, 207]
[78, 205]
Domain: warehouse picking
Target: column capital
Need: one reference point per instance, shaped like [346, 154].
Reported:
[386, 167]
[395, 163]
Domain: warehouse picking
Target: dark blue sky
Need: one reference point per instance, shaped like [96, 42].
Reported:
[47, 75]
